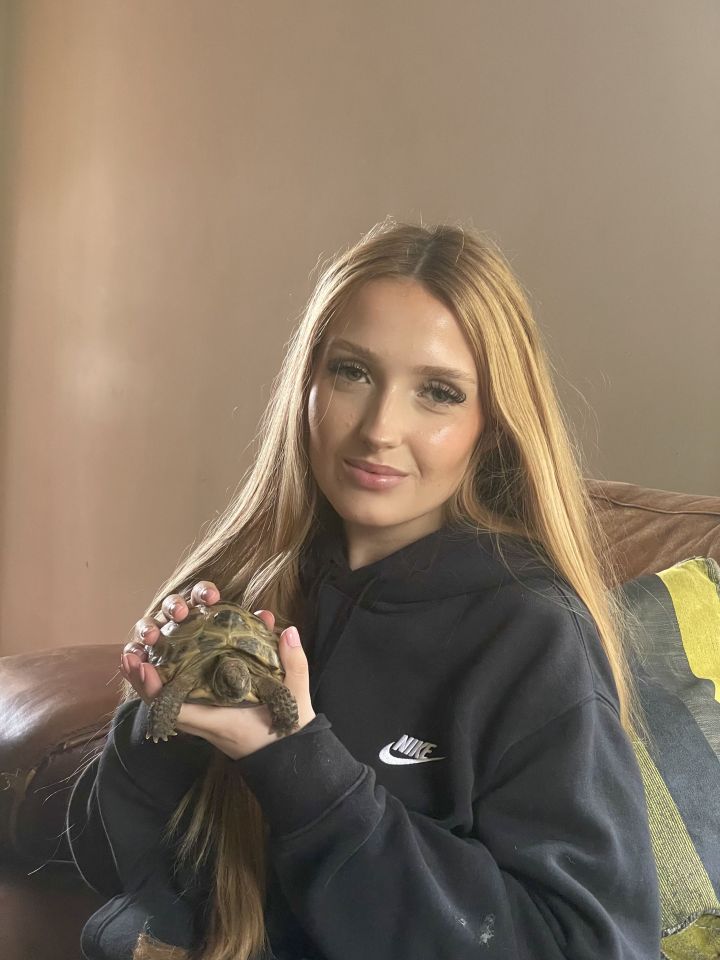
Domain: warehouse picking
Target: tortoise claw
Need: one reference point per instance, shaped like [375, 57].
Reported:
[163, 737]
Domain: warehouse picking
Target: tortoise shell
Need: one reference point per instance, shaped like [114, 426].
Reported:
[220, 654]
[205, 634]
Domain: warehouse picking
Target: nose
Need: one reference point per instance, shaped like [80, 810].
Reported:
[382, 421]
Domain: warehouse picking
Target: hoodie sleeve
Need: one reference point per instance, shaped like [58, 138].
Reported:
[559, 865]
[132, 778]
[118, 810]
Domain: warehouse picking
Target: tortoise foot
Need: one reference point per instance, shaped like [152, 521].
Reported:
[282, 705]
[162, 715]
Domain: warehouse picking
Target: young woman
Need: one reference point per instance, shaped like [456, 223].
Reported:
[462, 781]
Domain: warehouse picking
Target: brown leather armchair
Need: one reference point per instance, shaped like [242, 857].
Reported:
[53, 714]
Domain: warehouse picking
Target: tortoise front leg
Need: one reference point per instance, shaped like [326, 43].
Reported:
[164, 709]
[282, 704]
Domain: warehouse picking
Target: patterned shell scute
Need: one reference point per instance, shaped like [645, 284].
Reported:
[209, 632]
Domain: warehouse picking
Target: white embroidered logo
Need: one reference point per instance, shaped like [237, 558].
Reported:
[412, 750]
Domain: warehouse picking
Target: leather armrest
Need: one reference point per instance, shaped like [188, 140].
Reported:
[55, 710]
[43, 913]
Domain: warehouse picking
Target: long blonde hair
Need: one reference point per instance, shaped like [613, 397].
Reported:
[523, 478]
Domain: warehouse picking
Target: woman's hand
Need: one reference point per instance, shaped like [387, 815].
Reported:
[237, 732]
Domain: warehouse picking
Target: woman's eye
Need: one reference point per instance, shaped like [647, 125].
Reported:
[449, 395]
[345, 367]
[440, 393]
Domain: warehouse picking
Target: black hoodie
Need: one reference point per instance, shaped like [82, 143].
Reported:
[521, 830]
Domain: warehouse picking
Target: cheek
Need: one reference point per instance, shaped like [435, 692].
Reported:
[450, 443]
[328, 417]
[313, 409]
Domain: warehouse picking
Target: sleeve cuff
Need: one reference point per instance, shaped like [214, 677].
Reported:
[298, 778]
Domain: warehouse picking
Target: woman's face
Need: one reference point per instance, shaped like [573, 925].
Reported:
[370, 401]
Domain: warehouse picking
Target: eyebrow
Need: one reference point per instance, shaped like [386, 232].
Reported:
[427, 370]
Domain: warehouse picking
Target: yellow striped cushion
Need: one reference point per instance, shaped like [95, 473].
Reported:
[675, 657]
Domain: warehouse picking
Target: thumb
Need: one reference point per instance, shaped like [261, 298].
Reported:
[297, 672]
[292, 655]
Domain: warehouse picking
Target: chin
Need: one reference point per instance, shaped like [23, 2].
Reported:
[388, 516]
[349, 510]
[366, 518]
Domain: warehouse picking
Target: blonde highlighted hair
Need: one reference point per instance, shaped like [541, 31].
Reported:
[523, 479]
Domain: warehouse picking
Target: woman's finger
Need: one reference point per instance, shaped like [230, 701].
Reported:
[144, 677]
[137, 648]
[297, 673]
[267, 618]
[146, 627]
[204, 591]
[175, 607]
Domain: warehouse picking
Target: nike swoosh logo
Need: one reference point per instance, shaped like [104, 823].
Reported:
[387, 757]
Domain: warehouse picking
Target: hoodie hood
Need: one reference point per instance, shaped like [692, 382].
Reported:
[446, 563]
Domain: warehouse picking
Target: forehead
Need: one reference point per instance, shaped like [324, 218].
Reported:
[401, 319]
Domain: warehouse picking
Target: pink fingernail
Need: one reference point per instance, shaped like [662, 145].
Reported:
[292, 637]
[142, 673]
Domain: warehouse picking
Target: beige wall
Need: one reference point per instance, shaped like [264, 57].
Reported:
[174, 170]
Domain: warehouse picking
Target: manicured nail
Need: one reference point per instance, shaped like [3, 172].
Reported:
[142, 673]
[292, 637]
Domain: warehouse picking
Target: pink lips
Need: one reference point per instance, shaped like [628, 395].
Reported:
[373, 481]
[377, 468]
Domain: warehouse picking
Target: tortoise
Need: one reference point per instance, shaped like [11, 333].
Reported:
[220, 654]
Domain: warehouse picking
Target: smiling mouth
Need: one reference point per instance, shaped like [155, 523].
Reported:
[372, 481]
[375, 468]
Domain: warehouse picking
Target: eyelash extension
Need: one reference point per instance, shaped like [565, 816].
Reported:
[451, 395]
